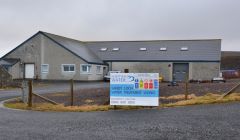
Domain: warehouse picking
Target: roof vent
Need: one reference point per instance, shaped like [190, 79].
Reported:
[115, 49]
[184, 48]
[103, 49]
[142, 49]
[163, 49]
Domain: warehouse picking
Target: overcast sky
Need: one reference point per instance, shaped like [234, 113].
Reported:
[92, 20]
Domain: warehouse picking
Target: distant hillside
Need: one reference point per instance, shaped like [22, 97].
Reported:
[230, 60]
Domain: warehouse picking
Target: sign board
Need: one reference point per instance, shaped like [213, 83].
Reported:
[137, 89]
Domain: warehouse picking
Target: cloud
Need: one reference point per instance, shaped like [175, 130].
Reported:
[121, 20]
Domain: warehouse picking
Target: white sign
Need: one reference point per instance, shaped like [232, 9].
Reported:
[137, 89]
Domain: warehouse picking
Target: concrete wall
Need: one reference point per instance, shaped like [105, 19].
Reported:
[143, 67]
[16, 71]
[41, 50]
[29, 52]
[197, 70]
[204, 70]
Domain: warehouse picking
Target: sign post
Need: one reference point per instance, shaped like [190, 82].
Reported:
[134, 89]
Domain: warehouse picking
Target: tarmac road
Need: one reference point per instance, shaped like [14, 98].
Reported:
[215, 122]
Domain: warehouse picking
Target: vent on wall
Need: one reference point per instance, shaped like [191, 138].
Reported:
[115, 49]
[163, 49]
[184, 48]
[142, 49]
[103, 49]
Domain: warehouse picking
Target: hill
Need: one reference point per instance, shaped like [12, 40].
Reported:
[230, 60]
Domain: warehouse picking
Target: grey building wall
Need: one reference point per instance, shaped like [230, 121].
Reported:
[16, 71]
[40, 50]
[197, 70]
[29, 52]
[146, 67]
[204, 70]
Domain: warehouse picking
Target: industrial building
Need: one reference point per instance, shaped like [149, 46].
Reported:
[52, 57]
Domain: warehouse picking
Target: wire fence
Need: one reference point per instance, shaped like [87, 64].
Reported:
[167, 93]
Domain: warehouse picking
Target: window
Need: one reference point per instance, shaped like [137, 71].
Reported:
[163, 49]
[184, 48]
[68, 67]
[44, 68]
[115, 49]
[98, 69]
[103, 49]
[143, 49]
[85, 68]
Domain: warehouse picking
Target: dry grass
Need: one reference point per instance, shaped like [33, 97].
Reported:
[89, 101]
[61, 108]
[206, 99]
[178, 97]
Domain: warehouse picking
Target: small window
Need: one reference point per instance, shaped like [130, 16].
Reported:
[85, 68]
[143, 49]
[115, 49]
[68, 67]
[184, 48]
[163, 49]
[44, 68]
[103, 49]
[98, 69]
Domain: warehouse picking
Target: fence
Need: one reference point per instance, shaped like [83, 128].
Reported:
[97, 93]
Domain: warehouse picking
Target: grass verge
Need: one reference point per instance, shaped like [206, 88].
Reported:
[17, 104]
[206, 99]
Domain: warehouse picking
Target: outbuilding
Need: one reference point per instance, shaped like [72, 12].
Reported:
[52, 57]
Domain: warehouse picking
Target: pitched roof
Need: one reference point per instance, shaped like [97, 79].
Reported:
[198, 50]
[76, 47]
[8, 61]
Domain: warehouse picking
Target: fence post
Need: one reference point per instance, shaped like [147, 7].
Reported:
[186, 91]
[71, 91]
[30, 93]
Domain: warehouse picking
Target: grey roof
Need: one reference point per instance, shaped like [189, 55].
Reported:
[76, 47]
[198, 50]
[8, 61]
[3, 62]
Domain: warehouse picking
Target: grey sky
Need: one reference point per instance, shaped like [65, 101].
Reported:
[121, 20]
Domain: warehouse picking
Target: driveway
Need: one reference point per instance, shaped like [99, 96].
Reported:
[215, 122]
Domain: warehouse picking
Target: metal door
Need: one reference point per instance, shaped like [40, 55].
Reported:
[180, 71]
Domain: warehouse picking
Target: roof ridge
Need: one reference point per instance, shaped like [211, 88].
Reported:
[62, 36]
